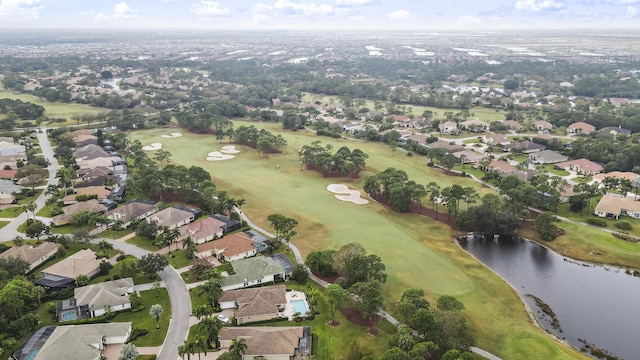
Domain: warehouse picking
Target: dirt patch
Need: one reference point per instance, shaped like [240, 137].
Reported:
[329, 279]
[333, 323]
[354, 315]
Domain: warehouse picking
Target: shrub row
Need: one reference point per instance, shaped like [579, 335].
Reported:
[597, 222]
[626, 237]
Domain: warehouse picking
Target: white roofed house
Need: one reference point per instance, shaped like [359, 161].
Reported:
[92, 300]
[475, 125]
[613, 206]
[32, 255]
[172, 217]
[495, 139]
[448, 127]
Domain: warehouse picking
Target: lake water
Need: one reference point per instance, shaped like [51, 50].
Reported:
[598, 304]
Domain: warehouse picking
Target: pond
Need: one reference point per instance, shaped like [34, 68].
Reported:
[598, 304]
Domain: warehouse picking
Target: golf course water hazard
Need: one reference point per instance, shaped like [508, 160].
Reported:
[598, 304]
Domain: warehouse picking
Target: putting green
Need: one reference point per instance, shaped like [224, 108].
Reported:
[417, 251]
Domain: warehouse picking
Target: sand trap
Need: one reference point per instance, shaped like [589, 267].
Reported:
[352, 195]
[172, 136]
[218, 156]
[152, 147]
[230, 149]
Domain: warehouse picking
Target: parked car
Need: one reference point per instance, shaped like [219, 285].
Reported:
[223, 319]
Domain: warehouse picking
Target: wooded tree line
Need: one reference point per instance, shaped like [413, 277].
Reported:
[21, 109]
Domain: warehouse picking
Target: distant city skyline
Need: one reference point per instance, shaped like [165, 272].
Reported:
[487, 15]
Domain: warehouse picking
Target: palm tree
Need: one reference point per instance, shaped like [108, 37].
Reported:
[238, 346]
[30, 207]
[156, 312]
[200, 345]
[184, 350]
[212, 290]
[104, 247]
[211, 326]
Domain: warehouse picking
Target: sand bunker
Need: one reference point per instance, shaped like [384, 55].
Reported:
[172, 136]
[218, 156]
[352, 195]
[152, 147]
[230, 149]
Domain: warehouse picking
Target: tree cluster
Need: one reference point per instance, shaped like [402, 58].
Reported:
[350, 263]
[394, 187]
[344, 162]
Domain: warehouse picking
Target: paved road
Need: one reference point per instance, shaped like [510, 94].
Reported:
[10, 231]
[180, 302]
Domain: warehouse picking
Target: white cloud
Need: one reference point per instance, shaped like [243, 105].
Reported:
[168, 1]
[401, 14]
[631, 12]
[260, 8]
[20, 9]
[354, 2]
[209, 8]
[538, 5]
[304, 9]
[120, 11]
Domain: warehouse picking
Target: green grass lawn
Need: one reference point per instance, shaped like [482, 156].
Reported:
[114, 234]
[54, 109]
[417, 251]
[143, 242]
[3, 224]
[178, 259]
[45, 211]
[143, 320]
[197, 300]
[552, 170]
[11, 212]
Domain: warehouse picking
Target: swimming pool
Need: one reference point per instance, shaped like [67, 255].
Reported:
[68, 316]
[299, 306]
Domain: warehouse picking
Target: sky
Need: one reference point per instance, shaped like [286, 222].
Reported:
[428, 15]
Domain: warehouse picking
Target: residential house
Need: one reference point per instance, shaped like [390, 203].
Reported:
[229, 248]
[525, 147]
[501, 166]
[93, 173]
[475, 125]
[469, 157]
[8, 174]
[90, 152]
[270, 343]
[613, 206]
[580, 128]
[202, 231]
[135, 209]
[92, 300]
[546, 157]
[90, 341]
[581, 166]
[421, 139]
[618, 102]
[32, 255]
[252, 271]
[229, 224]
[68, 211]
[448, 127]
[542, 125]
[256, 304]
[631, 176]
[172, 217]
[496, 139]
[64, 273]
[100, 192]
[448, 147]
[615, 131]
[7, 191]
[513, 125]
